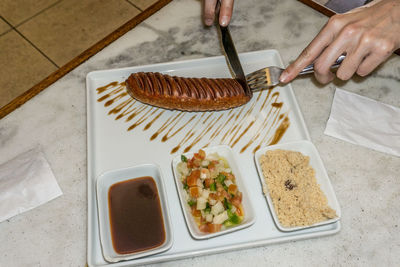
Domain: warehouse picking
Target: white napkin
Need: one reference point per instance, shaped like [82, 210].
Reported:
[366, 122]
[26, 182]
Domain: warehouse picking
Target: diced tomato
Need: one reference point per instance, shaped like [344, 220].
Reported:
[239, 211]
[194, 191]
[213, 228]
[208, 182]
[230, 176]
[240, 195]
[195, 212]
[213, 196]
[202, 154]
[226, 195]
[232, 189]
[211, 166]
[192, 178]
[205, 173]
[220, 188]
[197, 163]
[203, 228]
[190, 163]
[236, 201]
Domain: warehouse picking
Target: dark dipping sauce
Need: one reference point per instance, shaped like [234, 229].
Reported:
[135, 215]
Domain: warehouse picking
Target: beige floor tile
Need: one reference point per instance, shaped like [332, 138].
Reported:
[16, 11]
[70, 27]
[25, 66]
[142, 4]
[4, 26]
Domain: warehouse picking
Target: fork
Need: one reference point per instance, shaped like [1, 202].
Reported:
[269, 76]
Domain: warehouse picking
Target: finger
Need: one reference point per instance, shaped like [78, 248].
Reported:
[209, 11]
[314, 49]
[381, 49]
[307, 56]
[352, 62]
[344, 43]
[350, 65]
[370, 63]
[225, 12]
[322, 77]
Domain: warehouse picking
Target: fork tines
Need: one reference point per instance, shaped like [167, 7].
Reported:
[259, 79]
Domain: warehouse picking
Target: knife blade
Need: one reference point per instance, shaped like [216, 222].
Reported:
[232, 57]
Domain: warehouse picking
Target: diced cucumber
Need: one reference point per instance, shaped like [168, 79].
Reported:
[208, 208]
[221, 178]
[183, 158]
[213, 187]
[227, 204]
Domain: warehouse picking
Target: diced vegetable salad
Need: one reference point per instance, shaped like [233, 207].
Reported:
[211, 191]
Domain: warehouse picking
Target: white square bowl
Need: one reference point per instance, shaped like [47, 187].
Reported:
[104, 182]
[249, 214]
[306, 148]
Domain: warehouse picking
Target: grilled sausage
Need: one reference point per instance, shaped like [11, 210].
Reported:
[187, 94]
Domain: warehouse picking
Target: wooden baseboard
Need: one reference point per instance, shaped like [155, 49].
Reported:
[23, 98]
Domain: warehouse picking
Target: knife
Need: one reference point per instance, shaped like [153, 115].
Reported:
[231, 55]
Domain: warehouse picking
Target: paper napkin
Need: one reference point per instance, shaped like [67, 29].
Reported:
[366, 122]
[26, 182]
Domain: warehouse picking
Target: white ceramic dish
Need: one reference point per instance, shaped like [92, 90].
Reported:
[308, 149]
[104, 182]
[249, 214]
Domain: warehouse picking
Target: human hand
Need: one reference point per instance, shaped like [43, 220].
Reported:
[367, 35]
[225, 13]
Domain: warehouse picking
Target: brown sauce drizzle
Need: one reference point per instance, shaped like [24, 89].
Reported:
[245, 116]
[142, 119]
[228, 128]
[111, 101]
[280, 131]
[219, 129]
[188, 135]
[118, 108]
[166, 124]
[168, 135]
[272, 126]
[106, 87]
[203, 133]
[148, 125]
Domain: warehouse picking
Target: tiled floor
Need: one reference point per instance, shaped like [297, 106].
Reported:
[37, 37]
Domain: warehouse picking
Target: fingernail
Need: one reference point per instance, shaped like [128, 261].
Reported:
[284, 77]
[209, 22]
[224, 21]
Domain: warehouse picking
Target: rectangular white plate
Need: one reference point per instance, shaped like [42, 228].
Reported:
[249, 214]
[104, 182]
[308, 149]
[151, 135]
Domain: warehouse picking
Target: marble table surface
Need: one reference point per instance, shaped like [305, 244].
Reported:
[367, 183]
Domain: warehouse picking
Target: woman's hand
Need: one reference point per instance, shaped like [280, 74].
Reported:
[367, 35]
[225, 13]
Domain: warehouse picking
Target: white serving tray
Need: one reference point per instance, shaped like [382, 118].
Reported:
[151, 135]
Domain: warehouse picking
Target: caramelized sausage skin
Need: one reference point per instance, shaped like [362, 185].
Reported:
[186, 94]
